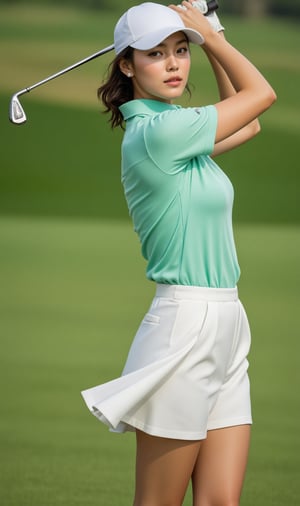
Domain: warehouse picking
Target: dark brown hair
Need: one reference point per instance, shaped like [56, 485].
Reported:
[117, 89]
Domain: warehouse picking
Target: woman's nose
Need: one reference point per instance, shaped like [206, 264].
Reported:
[172, 64]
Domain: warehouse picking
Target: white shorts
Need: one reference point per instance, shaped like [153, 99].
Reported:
[186, 372]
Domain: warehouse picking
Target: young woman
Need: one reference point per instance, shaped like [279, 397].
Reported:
[184, 388]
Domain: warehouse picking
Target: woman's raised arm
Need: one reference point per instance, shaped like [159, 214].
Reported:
[253, 94]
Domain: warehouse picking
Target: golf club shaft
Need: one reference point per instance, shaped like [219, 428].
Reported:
[67, 69]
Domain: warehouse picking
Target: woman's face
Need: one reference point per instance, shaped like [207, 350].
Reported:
[161, 73]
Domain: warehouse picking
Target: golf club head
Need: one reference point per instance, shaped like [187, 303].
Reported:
[16, 111]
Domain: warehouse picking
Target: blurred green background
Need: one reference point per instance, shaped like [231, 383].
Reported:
[73, 287]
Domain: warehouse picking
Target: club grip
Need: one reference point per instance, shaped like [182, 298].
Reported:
[212, 5]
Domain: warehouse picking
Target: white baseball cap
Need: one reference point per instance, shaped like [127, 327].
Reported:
[146, 25]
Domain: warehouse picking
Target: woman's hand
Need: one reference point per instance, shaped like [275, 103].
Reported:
[193, 18]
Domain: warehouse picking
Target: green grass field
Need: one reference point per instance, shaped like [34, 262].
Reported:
[73, 285]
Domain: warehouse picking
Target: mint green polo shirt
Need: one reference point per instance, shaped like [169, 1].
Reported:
[179, 199]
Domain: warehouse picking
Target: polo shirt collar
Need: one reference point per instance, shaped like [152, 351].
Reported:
[144, 106]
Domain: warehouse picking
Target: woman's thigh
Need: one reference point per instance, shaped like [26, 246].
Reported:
[220, 468]
[163, 469]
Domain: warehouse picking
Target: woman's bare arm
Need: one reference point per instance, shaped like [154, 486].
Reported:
[226, 90]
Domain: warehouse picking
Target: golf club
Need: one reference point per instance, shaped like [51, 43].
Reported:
[16, 112]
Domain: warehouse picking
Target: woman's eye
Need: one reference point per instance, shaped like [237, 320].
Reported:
[155, 53]
[182, 50]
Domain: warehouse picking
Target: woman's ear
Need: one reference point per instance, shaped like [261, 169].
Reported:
[126, 67]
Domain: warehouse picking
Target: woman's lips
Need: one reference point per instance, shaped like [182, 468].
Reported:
[173, 81]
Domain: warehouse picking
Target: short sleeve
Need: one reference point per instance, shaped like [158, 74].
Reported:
[173, 137]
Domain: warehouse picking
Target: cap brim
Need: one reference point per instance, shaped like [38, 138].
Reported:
[155, 38]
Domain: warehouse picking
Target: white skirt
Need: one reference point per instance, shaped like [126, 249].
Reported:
[186, 371]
